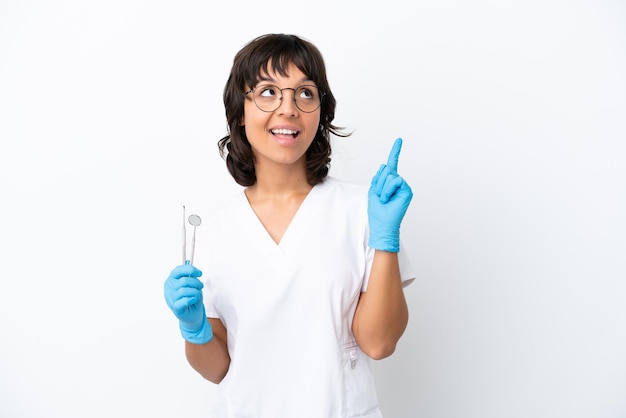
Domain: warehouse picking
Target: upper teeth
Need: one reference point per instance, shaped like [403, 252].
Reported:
[284, 131]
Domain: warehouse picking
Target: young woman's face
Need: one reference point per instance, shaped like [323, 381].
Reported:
[283, 135]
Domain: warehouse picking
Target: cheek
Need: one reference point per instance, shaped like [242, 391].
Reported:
[253, 118]
[314, 124]
[248, 113]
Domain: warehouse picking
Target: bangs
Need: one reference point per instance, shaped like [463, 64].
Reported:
[276, 59]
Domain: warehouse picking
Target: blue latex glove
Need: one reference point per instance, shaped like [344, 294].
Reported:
[389, 197]
[183, 295]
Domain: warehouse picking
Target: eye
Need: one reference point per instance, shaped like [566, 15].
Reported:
[307, 92]
[267, 91]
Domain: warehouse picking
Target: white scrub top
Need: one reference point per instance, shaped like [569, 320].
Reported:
[288, 308]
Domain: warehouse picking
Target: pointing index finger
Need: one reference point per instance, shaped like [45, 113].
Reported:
[392, 161]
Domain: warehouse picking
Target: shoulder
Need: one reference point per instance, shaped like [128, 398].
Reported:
[343, 196]
[223, 205]
[332, 185]
[220, 215]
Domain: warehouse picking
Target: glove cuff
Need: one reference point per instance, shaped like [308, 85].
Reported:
[199, 336]
[389, 242]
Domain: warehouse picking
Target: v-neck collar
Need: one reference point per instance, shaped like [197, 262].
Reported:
[257, 232]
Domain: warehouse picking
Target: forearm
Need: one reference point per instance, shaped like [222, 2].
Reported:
[382, 314]
[211, 360]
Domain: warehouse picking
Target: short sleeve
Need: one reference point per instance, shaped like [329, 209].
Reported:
[407, 274]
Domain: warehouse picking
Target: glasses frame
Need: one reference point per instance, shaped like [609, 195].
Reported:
[280, 101]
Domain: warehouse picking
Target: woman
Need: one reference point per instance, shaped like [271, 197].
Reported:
[304, 274]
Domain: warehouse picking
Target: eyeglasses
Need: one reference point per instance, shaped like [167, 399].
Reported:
[268, 97]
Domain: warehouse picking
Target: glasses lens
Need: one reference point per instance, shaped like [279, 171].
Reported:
[268, 97]
[307, 98]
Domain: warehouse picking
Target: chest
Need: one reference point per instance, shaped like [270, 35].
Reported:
[317, 269]
[275, 217]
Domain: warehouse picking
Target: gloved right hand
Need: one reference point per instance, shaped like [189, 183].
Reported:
[389, 197]
[183, 295]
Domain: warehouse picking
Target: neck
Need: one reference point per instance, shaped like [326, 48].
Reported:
[277, 180]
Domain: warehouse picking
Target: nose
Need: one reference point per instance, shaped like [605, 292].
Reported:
[288, 104]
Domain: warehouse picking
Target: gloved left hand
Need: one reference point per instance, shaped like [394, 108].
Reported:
[389, 197]
[183, 295]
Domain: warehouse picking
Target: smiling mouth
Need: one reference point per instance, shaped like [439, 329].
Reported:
[284, 132]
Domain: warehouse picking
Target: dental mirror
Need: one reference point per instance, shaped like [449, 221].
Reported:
[195, 221]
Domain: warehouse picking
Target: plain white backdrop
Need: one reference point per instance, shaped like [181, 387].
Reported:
[513, 118]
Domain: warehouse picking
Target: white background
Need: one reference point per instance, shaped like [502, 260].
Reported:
[513, 116]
